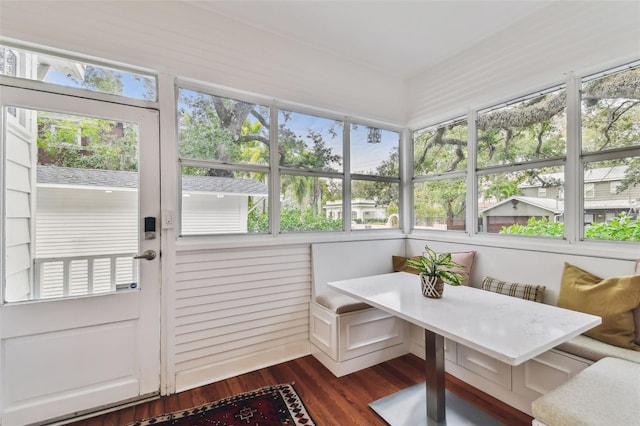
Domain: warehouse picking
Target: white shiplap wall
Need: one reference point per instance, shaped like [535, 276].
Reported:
[239, 309]
[536, 53]
[187, 41]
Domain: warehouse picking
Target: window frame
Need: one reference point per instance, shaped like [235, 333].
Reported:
[444, 176]
[585, 157]
[276, 171]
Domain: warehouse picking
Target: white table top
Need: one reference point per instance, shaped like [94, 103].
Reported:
[504, 327]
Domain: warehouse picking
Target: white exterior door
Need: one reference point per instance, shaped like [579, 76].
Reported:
[80, 317]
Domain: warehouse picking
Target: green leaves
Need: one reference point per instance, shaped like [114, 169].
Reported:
[437, 265]
[621, 228]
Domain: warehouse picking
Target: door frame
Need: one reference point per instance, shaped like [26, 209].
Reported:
[40, 316]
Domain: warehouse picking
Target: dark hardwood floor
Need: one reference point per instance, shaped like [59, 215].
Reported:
[329, 400]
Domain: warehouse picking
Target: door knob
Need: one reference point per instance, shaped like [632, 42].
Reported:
[148, 255]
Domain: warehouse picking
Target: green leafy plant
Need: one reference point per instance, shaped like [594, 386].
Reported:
[437, 265]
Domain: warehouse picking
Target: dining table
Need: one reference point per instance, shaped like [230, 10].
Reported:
[507, 328]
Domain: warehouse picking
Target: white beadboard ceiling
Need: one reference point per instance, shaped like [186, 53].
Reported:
[401, 38]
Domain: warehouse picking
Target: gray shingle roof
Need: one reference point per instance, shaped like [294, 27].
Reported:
[54, 175]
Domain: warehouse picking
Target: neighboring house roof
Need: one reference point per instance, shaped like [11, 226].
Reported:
[557, 207]
[67, 176]
[602, 174]
[550, 204]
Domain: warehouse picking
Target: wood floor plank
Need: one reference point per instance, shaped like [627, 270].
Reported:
[331, 401]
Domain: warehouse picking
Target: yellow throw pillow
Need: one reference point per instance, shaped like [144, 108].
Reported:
[613, 299]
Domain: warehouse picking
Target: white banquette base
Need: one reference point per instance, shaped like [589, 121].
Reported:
[351, 341]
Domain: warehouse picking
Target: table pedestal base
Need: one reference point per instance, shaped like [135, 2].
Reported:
[407, 408]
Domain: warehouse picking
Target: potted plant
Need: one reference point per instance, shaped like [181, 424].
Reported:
[435, 270]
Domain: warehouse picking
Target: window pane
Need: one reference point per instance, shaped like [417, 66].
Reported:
[309, 142]
[374, 205]
[611, 111]
[533, 129]
[216, 201]
[527, 202]
[74, 230]
[70, 73]
[612, 199]
[440, 149]
[374, 151]
[222, 129]
[304, 202]
[440, 204]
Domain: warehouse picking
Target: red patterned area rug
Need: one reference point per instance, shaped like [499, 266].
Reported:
[277, 405]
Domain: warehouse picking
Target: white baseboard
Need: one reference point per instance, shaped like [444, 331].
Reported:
[207, 374]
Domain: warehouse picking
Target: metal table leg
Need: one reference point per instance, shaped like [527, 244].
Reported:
[434, 362]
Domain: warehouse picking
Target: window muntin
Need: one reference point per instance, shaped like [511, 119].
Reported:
[304, 201]
[440, 204]
[308, 142]
[533, 129]
[440, 149]
[522, 202]
[222, 129]
[48, 68]
[612, 214]
[611, 111]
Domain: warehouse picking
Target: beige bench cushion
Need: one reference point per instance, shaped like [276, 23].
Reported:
[340, 303]
[595, 350]
[605, 393]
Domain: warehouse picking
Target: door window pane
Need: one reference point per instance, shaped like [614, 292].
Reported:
[62, 71]
[71, 193]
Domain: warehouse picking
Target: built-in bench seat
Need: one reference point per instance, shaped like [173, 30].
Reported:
[340, 303]
[606, 393]
[595, 350]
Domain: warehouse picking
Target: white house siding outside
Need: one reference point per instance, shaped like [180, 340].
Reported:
[20, 148]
